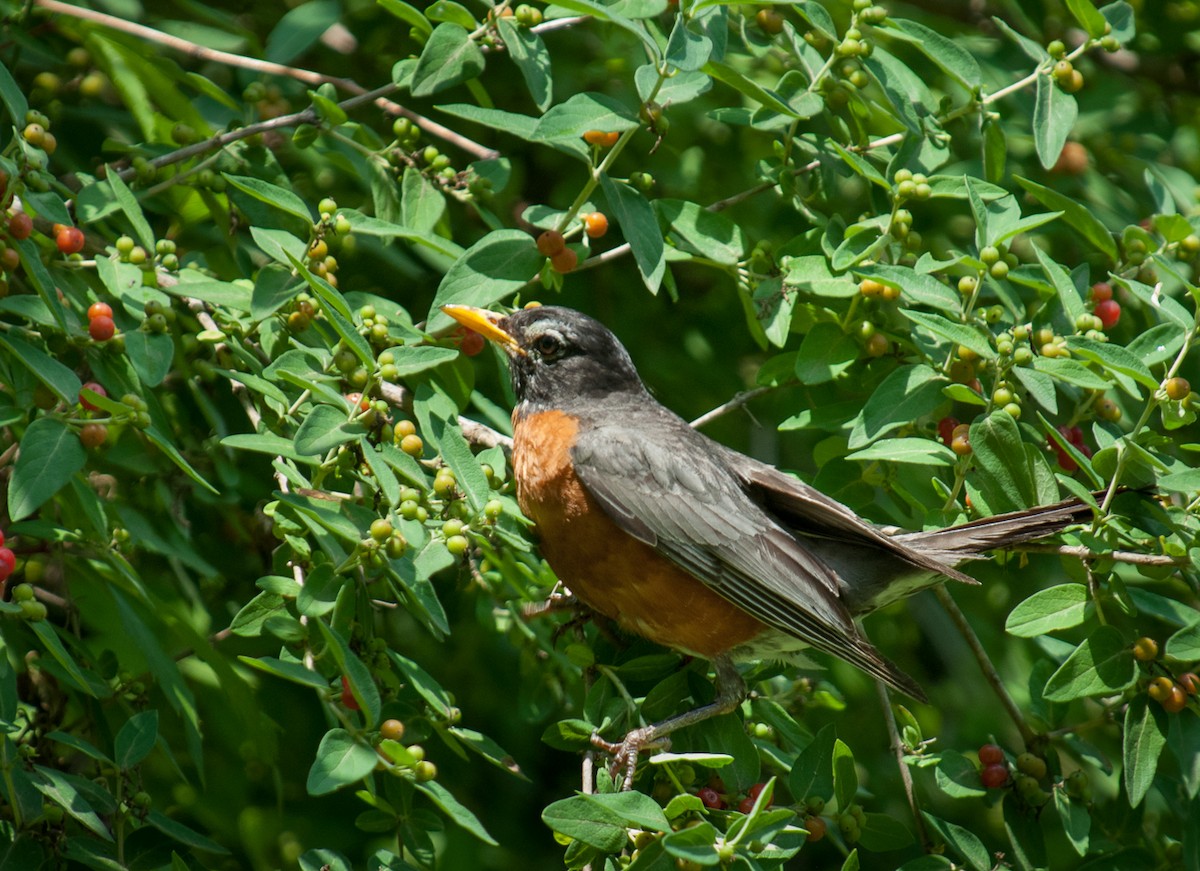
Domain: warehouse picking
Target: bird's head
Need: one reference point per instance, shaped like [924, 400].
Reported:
[556, 355]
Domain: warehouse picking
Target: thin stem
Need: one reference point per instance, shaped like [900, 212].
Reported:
[201, 52]
[732, 405]
[889, 717]
[985, 664]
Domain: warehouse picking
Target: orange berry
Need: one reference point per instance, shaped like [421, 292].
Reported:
[1175, 701]
[98, 309]
[1145, 649]
[595, 224]
[1160, 688]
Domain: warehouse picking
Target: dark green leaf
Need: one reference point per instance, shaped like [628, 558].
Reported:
[449, 57]
[499, 264]
[826, 352]
[1074, 213]
[845, 777]
[341, 760]
[324, 428]
[299, 28]
[581, 113]
[136, 739]
[1145, 737]
[455, 810]
[1101, 665]
[906, 394]
[812, 774]
[1060, 607]
[640, 227]
[1054, 113]
[50, 455]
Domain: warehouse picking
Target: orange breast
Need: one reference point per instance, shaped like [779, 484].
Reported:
[608, 569]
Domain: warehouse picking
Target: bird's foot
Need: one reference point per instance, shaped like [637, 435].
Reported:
[625, 754]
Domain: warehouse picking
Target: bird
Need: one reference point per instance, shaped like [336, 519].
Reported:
[691, 544]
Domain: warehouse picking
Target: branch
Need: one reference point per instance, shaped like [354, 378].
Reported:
[1121, 556]
[732, 405]
[897, 745]
[985, 664]
[311, 77]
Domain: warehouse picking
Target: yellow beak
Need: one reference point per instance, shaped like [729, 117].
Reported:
[486, 323]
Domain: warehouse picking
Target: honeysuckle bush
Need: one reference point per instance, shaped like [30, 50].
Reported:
[269, 601]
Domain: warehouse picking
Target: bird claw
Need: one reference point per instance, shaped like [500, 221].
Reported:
[625, 754]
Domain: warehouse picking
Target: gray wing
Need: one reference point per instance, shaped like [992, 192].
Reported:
[685, 503]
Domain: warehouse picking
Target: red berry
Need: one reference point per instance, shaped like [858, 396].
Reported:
[564, 261]
[348, 696]
[945, 429]
[93, 435]
[10, 258]
[8, 562]
[1189, 680]
[1065, 461]
[994, 776]
[20, 226]
[746, 805]
[710, 798]
[98, 309]
[1175, 701]
[70, 240]
[991, 754]
[101, 328]
[816, 828]
[595, 224]
[1109, 312]
[95, 388]
[1, 538]
[1101, 291]
[472, 343]
[550, 243]
[756, 790]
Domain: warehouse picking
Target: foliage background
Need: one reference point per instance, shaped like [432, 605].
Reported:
[135, 683]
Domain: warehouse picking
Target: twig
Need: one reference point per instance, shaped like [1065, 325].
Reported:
[311, 77]
[889, 717]
[1121, 556]
[985, 664]
[732, 405]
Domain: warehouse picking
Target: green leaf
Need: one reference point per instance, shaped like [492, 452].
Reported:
[583, 112]
[1050, 610]
[640, 227]
[918, 287]
[455, 810]
[1035, 50]
[905, 90]
[812, 773]
[1144, 739]
[1068, 295]
[906, 394]
[959, 334]
[49, 371]
[1184, 645]
[1101, 665]
[728, 75]
[1091, 19]
[696, 230]
[184, 835]
[48, 635]
[1009, 474]
[421, 204]
[362, 684]
[13, 97]
[410, 14]
[150, 354]
[299, 28]
[273, 195]
[955, 60]
[1054, 114]
[325, 428]
[341, 760]
[1075, 819]
[913, 451]
[1071, 372]
[1074, 214]
[883, 832]
[295, 672]
[499, 264]
[136, 739]
[845, 777]
[961, 841]
[825, 353]
[1113, 358]
[957, 776]
[687, 50]
[1183, 737]
[449, 57]
[448, 10]
[132, 209]
[59, 788]
[50, 455]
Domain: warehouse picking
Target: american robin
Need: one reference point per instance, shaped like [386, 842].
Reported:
[694, 545]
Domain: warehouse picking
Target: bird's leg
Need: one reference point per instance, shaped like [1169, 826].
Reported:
[731, 689]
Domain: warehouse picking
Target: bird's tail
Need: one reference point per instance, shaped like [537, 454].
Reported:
[971, 540]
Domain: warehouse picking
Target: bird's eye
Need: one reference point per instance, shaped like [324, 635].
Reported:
[548, 345]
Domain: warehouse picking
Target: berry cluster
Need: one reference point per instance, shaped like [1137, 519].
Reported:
[1168, 690]
[101, 326]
